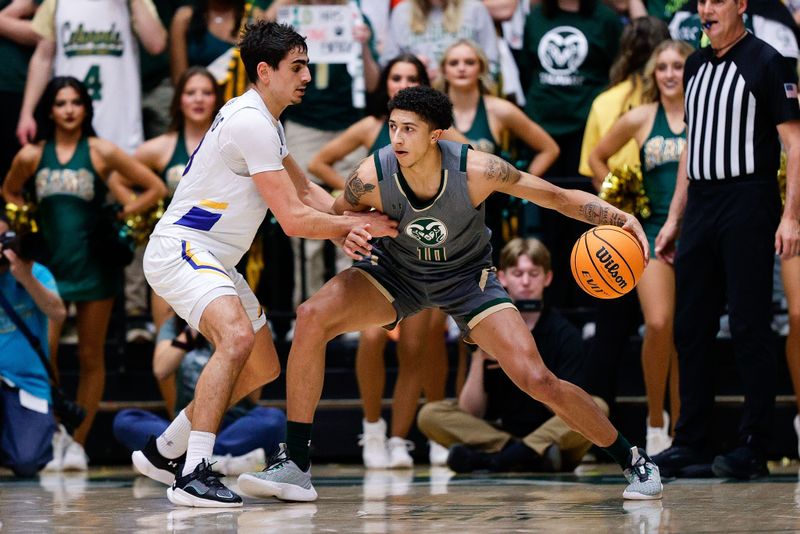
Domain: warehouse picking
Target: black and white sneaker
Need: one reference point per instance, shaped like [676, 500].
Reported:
[153, 464]
[202, 488]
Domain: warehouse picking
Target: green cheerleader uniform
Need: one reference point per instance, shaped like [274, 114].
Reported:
[660, 154]
[70, 199]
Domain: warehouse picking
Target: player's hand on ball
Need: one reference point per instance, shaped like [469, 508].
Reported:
[635, 227]
[356, 244]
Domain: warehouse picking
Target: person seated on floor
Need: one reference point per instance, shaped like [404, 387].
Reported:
[494, 425]
[26, 405]
[248, 433]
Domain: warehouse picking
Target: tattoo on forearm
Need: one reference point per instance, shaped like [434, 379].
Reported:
[354, 189]
[497, 169]
[596, 213]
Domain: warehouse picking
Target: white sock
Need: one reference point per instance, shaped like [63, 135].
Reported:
[378, 427]
[172, 443]
[201, 445]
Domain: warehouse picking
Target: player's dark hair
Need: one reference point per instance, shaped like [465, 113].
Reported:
[269, 42]
[432, 106]
[45, 125]
[178, 121]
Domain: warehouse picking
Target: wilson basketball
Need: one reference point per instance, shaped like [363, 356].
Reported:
[607, 262]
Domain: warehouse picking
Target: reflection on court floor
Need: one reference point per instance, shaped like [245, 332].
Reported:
[422, 500]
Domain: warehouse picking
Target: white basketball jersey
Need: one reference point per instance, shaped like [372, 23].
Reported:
[95, 44]
[217, 206]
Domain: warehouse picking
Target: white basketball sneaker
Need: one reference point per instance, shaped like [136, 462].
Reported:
[437, 454]
[643, 476]
[373, 443]
[398, 453]
[75, 458]
[658, 438]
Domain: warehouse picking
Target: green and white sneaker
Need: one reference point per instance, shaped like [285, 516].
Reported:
[281, 478]
[643, 477]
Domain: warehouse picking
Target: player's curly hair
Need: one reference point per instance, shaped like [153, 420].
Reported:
[269, 42]
[432, 106]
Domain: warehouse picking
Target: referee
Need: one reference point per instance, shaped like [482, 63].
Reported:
[741, 101]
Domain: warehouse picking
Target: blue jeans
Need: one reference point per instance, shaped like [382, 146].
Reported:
[261, 428]
[25, 436]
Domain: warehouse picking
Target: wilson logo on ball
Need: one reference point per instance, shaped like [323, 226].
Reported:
[607, 262]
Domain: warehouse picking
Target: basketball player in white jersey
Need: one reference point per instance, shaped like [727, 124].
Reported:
[241, 168]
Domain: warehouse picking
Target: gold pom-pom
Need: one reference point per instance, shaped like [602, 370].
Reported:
[624, 188]
[141, 225]
[782, 177]
[22, 219]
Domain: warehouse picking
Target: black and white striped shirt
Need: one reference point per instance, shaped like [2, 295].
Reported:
[733, 105]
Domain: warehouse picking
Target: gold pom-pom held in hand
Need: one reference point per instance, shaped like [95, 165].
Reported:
[22, 219]
[624, 188]
[141, 224]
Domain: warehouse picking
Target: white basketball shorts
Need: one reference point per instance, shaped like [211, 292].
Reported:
[189, 278]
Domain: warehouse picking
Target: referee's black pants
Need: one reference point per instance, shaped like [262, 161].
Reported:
[726, 248]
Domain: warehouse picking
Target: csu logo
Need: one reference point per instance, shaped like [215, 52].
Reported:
[428, 231]
[562, 50]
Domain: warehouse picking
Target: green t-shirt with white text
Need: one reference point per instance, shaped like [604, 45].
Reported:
[567, 59]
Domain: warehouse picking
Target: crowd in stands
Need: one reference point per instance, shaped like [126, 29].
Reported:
[105, 102]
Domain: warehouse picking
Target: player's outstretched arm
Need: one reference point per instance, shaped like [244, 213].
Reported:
[487, 173]
[301, 220]
[309, 193]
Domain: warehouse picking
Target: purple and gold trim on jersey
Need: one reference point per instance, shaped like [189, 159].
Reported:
[202, 219]
[189, 257]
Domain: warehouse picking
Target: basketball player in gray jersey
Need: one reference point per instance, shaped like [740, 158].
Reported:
[440, 259]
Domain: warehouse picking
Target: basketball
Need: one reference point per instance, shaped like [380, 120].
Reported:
[607, 262]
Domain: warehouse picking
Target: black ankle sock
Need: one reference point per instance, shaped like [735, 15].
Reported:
[298, 441]
[514, 456]
[620, 451]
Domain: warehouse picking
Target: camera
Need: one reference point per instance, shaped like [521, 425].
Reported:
[10, 241]
[28, 246]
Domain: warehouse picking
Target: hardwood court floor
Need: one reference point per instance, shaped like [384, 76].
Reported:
[423, 501]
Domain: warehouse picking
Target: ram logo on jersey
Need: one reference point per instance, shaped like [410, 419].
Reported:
[428, 231]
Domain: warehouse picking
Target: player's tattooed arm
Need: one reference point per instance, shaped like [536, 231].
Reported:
[596, 213]
[355, 188]
[501, 171]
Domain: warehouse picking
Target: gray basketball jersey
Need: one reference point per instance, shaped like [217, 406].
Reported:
[437, 236]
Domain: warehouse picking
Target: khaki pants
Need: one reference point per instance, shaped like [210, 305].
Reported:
[447, 424]
[137, 292]
[304, 143]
